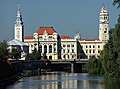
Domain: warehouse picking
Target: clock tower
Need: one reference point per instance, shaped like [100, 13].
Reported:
[103, 24]
[19, 27]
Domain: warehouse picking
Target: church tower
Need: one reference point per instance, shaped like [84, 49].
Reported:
[19, 27]
[103, 24]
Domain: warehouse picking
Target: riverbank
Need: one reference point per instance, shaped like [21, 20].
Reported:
[9, 80]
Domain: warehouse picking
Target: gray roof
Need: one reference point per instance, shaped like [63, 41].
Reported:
[17, 42]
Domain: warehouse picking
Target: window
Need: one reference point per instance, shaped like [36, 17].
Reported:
[63, 51]
[68, 56]
[86, 46]
[72, 56]
[98, 46]
[89, 46]
[50, 36]
[72, 50]
[50, 48]
[35, 44]
[40, 47]
[31, 46]
[40, 36]
[63, 45]
[98, 51]
[86, 51]
[89, 51]
[68, 50]
[93, 46]
[93, 51]
[45, 49]
[72, 45]
[64, 56]
[105, 31]
[54, 49]
[68, 45]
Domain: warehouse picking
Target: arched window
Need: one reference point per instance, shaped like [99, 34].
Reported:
[50, 57]
[45, 49]
[68, 56]
[64, 56]
[50, 48]
[40, 47]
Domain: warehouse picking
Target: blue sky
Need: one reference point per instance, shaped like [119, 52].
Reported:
[66, 16]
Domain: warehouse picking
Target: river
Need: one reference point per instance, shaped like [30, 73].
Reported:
[63, 80]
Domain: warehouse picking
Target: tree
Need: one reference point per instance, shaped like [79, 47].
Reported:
[80, 51]
[16, 53]
[3, 49]
[33, 56]
[116, 2]
[110, 56]
[4, 65]
[93, 66]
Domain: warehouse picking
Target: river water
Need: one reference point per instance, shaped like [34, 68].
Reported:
[63, 80]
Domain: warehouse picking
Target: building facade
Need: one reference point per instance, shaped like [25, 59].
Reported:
[49, 42]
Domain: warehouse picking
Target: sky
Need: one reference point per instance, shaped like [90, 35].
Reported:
[66, 16]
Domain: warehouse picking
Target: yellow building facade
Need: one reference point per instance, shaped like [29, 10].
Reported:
[56, 47]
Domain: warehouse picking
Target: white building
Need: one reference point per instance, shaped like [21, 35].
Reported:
[49, 42]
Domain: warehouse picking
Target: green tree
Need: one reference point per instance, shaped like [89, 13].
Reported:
[93, 66]
[33, 56]
[4, 65]
[80, 51]
[116, 2]
[3, 49]
[110, 56]
[16, 53]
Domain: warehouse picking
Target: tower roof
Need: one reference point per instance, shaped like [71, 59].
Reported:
[18, 16]
[65, 37]
[49, 30]
[29, 37]
[103, 9]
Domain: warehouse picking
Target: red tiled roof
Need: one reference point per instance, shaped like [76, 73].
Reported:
[49, 30]
[65, 37]
[89, 39]
[29, 37]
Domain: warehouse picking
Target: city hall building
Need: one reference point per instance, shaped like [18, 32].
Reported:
[55, 46]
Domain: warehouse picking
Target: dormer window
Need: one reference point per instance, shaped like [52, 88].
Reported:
[40, 36]
[50, 36]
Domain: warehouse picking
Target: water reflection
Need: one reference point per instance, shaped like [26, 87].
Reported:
[112, 84]
[61, 80]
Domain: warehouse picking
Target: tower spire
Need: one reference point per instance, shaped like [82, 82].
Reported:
[19, 27]
[19, 16]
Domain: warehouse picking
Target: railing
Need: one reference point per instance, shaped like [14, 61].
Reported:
[59, 60]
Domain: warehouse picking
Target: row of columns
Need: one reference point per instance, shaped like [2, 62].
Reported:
[53, 47]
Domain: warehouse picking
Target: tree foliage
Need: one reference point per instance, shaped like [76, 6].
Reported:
[110, 57]
[33, 56]
[16, 53]
[109, 62]
[116, 2]
[3, 49]
[93, 66]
